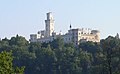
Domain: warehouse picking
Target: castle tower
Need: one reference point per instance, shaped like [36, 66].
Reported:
[49, 25]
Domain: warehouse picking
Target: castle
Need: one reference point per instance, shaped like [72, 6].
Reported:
[73, 35]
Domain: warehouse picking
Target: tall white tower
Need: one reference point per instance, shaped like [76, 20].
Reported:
[49, 25]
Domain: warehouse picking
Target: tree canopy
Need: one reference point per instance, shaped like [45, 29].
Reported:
[56, 57]
[6, 65]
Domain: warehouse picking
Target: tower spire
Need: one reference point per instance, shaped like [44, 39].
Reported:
[70, 25]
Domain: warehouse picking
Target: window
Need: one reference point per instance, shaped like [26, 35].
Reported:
[76, 43]
[81, 32]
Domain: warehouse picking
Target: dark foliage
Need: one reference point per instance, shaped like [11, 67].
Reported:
[58, 58]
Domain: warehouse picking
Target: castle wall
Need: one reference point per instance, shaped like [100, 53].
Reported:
[74, 35]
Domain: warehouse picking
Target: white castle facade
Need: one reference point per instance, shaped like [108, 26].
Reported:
[73, 35]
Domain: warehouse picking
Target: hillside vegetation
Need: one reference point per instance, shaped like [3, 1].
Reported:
[58, 58]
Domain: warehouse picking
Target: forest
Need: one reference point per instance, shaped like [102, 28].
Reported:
[17, 55]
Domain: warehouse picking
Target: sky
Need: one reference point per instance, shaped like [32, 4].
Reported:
[25, 17]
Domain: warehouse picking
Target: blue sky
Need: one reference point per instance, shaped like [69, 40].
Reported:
[25, 17]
